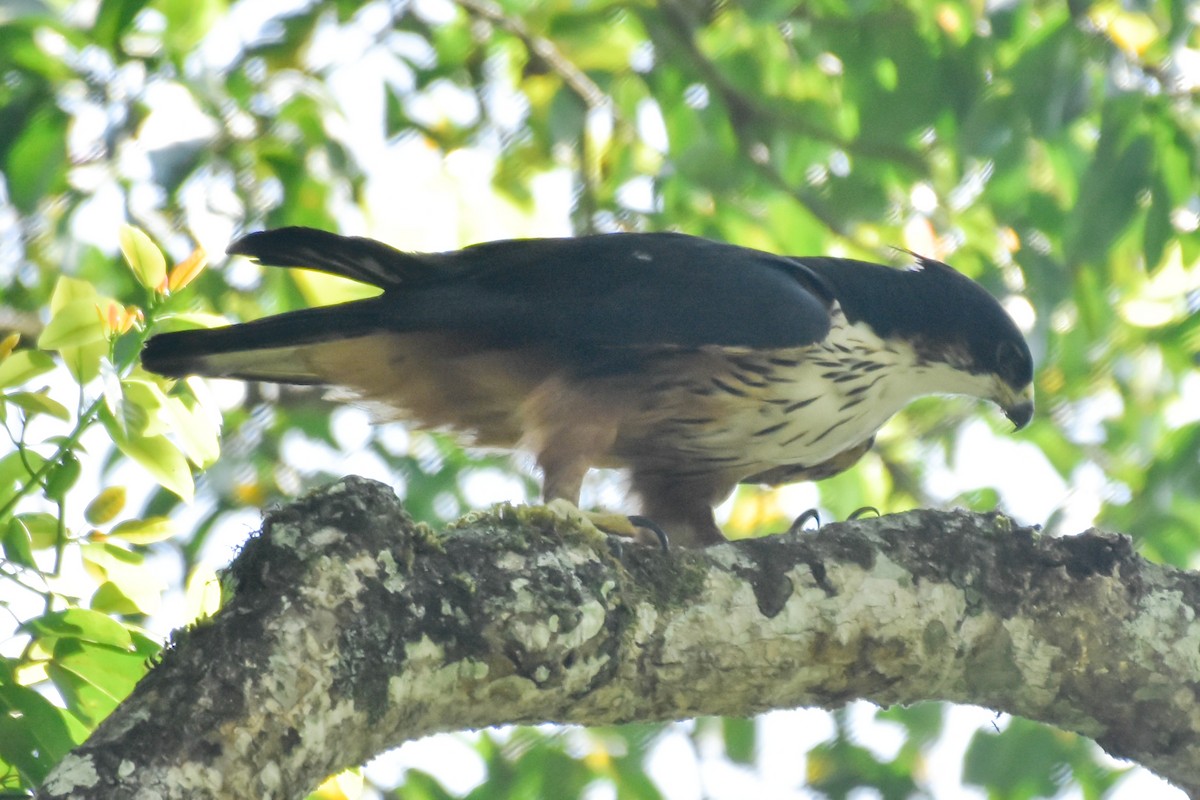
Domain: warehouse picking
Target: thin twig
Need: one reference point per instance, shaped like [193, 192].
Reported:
[584, 87]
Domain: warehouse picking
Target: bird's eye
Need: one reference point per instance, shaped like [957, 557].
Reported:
[1011, 362]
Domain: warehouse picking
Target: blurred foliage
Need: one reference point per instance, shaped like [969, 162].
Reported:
[1047, 149]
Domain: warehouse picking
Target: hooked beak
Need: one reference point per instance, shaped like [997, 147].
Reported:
[1020, 410]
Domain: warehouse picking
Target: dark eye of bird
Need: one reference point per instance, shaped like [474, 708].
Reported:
[1010, 363]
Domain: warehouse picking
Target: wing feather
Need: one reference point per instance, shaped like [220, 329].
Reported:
[581, 296]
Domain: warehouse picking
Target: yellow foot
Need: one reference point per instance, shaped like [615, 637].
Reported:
[640, 529]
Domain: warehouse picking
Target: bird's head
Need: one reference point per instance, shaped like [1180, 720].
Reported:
[970, 331]
[962, 338]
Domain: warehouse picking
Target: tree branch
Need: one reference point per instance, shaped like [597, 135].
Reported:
[350, 629]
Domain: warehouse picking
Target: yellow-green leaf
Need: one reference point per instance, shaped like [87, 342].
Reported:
[188, 320]
[105, 506]
[160, 457]
[196, 431]
[84, 360]
[76, 323]
[144, 531]
[109, 599]
[34, 403]
[69, 290]
[144, 257]
[8, 344]
[150, 417]
[23, 366]
[138, 581]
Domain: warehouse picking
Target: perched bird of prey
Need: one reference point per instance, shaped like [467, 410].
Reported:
[694, 364]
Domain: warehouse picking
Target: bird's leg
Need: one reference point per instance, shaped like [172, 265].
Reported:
[683, 507]
[561, 484]
[566, 453]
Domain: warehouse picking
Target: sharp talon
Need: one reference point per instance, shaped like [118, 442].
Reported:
[648, 524]
[812, 515]
[861, 512]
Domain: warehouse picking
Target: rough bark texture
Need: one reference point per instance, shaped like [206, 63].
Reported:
[351, 630]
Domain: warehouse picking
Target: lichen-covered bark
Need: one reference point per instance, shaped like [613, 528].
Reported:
[351, 630]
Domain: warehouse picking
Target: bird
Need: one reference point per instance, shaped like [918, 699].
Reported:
[695, 365]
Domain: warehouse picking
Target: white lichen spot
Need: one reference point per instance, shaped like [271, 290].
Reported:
[1168, 611]
[270, 776]
[393, 579]
[535, 634]
[325, 537]
[73, 772]
[541, 674]
[320, 732]
[511, 562]
[591, 621]
[285, 536]
[552, 623]
[424, 650]
[243, 742]
[364, 565]
[645, 621]
[190, 775]
[125, 768]
[1038, 660]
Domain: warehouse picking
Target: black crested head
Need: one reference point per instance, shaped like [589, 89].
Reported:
[943, 314]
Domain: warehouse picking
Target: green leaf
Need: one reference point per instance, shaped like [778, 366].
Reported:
[144, 258]
[37, 159]
[188, 21]
[1158, 231]
[18, 546]
[23, 366]
[82, 624]
[113, 21]
[34, 403]
[62, 477]
[1022, 761]
[34, 735]
[740, 736]
[42, 528]
[93, 678]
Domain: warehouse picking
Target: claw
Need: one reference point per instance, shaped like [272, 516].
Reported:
[812, 516]
[808, 516]
[645, 523]
[859, 513]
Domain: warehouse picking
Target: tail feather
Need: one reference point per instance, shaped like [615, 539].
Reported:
[363, 260]
[269, 349]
